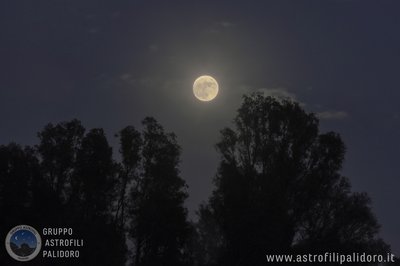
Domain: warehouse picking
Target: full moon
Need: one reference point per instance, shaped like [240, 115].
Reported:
[205, 88]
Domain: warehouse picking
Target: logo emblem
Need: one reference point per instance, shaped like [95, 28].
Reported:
[23, 243]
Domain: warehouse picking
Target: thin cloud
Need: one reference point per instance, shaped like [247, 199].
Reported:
[332, 115]
[154, 47]
[283, 93]
[220, 26]
[279, 93]
[226, 24]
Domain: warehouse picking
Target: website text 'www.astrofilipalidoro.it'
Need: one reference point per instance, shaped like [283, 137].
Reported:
[331, 257]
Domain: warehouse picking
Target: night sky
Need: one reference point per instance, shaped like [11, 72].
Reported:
[24, 237]
[111, 63]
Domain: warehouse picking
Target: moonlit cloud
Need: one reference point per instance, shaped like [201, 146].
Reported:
[332, 115]
[283, 93]
[154, 47]
[125, 76]
[143, 82]
[93, 30]
[226, 24]
[280, 93]
[220, 26]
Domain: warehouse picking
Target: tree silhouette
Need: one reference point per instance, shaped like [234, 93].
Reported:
[279, 190]
[69, 180]
[25, 197]
[94, 176]
[58, 149]
[130, 146]
[93, 195]
[159, 226]
[18, 169]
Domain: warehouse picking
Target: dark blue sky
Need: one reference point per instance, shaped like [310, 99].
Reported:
[111, 63]
[24, 237]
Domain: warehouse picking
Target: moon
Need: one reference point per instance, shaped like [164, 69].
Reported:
[205, 88]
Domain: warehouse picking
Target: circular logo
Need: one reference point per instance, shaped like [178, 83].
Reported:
[23, 243]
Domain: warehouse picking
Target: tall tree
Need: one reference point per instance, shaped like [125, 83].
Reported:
[82, 174]
[94, 176]
[279, 189]
[58, 149]
[25, 197]
[130, 146]
[159, 226]
[19, 169]
[94, 188]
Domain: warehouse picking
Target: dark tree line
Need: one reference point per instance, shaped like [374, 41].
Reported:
[70, 179]
[278, 190]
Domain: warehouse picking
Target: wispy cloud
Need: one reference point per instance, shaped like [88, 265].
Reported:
[280, 93]
[143, 82]
[154, 47]
[226, 24]
[220, 26]
[332, 115]
[284, 94]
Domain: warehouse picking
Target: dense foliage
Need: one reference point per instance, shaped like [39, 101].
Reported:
[278, 190]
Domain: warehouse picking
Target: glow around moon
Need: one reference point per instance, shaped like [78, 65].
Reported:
[205, 88]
